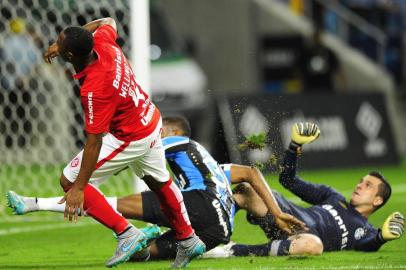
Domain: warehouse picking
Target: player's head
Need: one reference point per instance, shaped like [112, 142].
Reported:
[372, 191]
[175, 126]
[75, 43]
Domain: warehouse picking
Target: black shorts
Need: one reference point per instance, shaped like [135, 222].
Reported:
[203, 215]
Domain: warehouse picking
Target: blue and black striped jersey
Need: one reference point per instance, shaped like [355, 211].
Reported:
[194, 168]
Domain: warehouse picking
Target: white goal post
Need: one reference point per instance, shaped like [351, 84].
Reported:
[140, 55]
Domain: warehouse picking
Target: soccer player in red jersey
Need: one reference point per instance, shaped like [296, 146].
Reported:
[123, 129]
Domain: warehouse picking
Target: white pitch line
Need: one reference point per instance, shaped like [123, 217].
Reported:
[350, 267]
[42, 228]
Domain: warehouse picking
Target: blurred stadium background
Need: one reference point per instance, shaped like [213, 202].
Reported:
[233, 67]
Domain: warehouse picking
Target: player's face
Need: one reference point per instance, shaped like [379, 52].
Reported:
[166, 131]
[170, 130]
[366, 191]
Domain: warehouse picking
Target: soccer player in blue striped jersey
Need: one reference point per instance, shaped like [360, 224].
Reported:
[206, 190]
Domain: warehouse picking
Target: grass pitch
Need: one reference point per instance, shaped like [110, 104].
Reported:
[45, 241]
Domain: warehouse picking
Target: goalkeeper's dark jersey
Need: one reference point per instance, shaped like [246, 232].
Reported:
[336, 222]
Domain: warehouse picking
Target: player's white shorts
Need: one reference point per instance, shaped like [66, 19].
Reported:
[145, 157]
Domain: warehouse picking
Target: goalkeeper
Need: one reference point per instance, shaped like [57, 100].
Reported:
[334, 223]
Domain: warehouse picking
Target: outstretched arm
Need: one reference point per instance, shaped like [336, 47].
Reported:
[392, 229]
[308, 192]
[253, 176]
[302, 133]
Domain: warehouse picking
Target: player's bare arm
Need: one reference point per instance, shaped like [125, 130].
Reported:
[51, 52]
[74, 197]
[93, 25]
[255, 178]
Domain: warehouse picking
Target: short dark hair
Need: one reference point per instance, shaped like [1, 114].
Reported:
[384, 188]
[181, 122]
[78, 41]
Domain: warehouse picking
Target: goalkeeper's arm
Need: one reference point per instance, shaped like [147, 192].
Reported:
[392, 229]
[302, 133]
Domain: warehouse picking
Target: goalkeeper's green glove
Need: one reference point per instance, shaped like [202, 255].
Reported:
[393, 227]
[303, 133]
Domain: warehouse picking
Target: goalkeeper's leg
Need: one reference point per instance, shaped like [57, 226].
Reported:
[300, 244]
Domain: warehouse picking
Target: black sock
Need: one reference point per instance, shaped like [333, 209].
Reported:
[280, 247]
[254, 250]
[274, 248]
[141, 256]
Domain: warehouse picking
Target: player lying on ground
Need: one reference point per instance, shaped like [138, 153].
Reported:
[115, 105]
[334, 223]
[206, 190]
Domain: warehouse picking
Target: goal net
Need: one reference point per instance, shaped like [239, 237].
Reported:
[41, 123]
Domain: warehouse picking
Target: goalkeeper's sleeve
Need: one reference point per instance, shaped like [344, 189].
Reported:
[308, 192]
[371, 242]
[392, 228]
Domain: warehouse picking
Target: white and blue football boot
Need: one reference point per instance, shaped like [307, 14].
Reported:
[20, 204]
[187, 250]
[131, 241]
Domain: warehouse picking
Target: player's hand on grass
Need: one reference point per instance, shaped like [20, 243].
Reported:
[393, 226]
[290, 224]
[74, 203]
[303, 133]
[52, 52]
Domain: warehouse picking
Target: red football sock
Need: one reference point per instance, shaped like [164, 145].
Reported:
[173, 207]
[96, 205]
